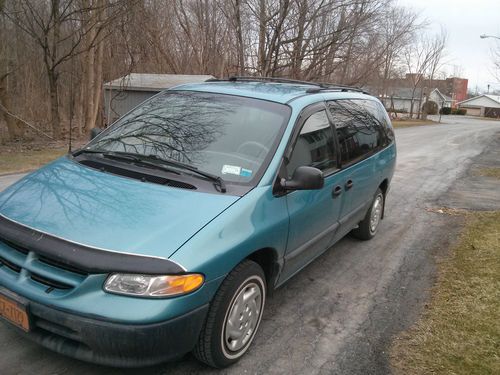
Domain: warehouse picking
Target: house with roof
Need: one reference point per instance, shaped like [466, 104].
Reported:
[401, 99]
[401, 94]
[127, 92]
[482, 105]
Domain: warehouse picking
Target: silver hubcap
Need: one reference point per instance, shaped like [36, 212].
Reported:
[243, 317]
[376, 213]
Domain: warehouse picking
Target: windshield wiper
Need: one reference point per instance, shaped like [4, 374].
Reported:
[156, 161]
[218, 181]
[125, 156]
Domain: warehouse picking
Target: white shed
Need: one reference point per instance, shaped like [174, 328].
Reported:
[482, 105]
[127, 92]
[440, 99]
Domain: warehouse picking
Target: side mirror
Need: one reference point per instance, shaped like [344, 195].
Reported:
[94, 132]
[304, 178]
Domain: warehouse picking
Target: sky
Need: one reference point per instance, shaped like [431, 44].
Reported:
[464, 21]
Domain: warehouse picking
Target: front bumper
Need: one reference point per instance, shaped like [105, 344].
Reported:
[114, 344]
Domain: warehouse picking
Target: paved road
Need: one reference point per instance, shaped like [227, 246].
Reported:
[337, 315]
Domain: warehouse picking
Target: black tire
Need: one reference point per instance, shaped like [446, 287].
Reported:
[365, 231]
[213, 347]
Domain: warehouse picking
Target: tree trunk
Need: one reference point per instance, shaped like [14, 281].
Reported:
[98, 83]
[15, 130]
[54, 104]
[239, 36]
[297, 46]
[262, 38]
[97, 95]
[90, 84]
[52, 73]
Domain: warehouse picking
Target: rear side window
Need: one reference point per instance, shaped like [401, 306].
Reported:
[359, 131]
[314, 146]
[383, 117]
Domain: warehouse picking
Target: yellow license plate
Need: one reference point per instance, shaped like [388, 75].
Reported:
[14, 312]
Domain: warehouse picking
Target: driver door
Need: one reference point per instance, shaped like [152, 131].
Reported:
[314, 214]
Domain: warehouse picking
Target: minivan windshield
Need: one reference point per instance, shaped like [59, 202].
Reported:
[228, 136]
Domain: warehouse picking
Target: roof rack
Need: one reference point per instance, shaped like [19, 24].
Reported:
[326, 86]
[317, 86]
[263, 79]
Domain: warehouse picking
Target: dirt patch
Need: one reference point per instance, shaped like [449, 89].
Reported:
[489, 172]
[407, 123]
[17, 157]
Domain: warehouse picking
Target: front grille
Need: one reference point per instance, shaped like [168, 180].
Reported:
[16, 247]
[50, 283]
[58, 264]
[12, 266]
[42, 271]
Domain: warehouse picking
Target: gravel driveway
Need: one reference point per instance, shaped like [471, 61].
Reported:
[338, 314]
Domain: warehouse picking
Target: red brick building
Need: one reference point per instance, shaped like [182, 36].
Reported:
[456, 88]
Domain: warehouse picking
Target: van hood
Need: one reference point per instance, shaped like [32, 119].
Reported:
[86, 206]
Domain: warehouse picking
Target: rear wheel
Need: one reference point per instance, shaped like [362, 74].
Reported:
[367, 228]
[234, 316]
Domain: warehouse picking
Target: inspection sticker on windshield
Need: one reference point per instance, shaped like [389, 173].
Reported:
[245, 172]
[234, 169]
[231, 169]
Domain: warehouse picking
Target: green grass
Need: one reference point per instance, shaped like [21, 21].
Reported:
[459, 332]
[26, 160]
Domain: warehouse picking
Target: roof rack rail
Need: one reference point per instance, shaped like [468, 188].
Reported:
[263, 79]
[317, 86]
[325, 86]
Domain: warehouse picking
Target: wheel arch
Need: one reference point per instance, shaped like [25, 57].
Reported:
[384, 186]
[267, 259]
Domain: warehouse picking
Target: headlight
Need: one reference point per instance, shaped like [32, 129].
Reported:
[153, 286]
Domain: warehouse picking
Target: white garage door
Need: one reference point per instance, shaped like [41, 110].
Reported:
[473, 111]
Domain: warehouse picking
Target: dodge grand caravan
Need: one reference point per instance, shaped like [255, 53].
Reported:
[166, 233]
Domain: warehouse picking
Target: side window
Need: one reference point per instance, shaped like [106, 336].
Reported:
[383, 117]
[380, 119]
[314, 146]
[358, 131]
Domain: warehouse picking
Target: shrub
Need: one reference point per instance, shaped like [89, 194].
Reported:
[445, 110]
[430, 107]
[458, 111]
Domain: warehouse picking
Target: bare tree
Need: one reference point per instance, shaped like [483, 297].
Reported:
[496, 60]
[62, 29]
[7, 66]
[92, 41]
[422, 59]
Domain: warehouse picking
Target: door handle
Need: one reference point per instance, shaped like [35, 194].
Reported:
[348, 184]
[337, 190]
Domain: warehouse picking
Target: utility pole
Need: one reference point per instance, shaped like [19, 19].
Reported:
[441, 110]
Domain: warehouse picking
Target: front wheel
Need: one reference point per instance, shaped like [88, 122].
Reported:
[367, 228]
[234, 316]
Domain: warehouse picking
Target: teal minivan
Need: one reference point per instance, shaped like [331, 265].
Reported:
[168, 231]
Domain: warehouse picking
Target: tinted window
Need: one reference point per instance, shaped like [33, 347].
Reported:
[229, 136]
[383, 117]
[315, 145]
[358, 130]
